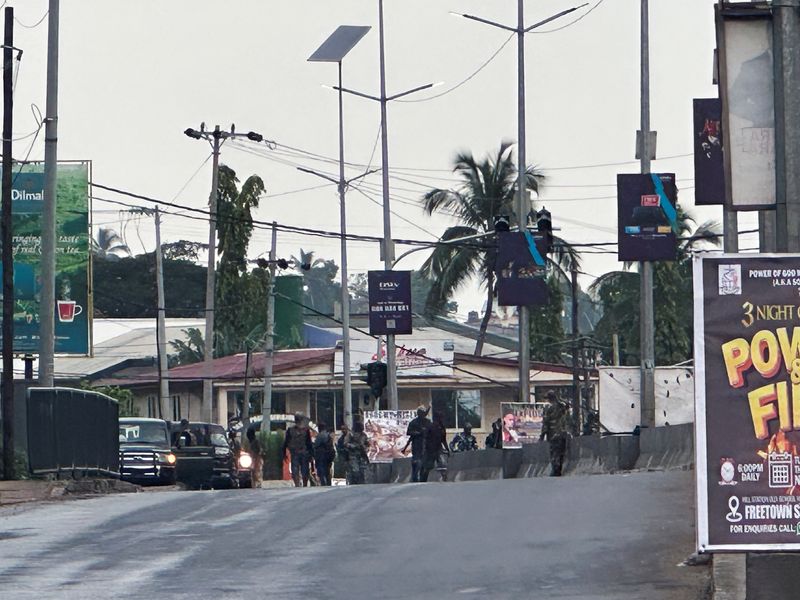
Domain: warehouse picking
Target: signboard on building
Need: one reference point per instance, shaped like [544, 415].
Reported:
[386, 432]
[416, 357]
[709, 166]
[747, 365]
[647, 217]
[73, 304]
[746, 77]
[522, 423]
[389, 302]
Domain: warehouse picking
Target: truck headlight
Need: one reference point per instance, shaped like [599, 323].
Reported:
[245, 461]
[167, 457]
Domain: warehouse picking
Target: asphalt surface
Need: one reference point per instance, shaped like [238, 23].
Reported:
[601, 537]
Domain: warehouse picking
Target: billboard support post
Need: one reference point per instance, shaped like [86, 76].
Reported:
[48, 303]
[7, 387]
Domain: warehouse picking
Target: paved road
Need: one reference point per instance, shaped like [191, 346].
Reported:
[609, 537]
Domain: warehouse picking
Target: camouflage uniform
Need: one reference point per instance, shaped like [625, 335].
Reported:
[356, 444]
[555, 428]
[463, 442]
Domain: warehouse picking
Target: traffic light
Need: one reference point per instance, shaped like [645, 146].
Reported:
[376, 378]
[544, 225]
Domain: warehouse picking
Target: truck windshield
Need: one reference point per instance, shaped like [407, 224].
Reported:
[143, 433]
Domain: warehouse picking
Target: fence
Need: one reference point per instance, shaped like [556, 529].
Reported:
[72, 430]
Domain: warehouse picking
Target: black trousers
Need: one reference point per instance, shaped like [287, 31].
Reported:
[558, 447]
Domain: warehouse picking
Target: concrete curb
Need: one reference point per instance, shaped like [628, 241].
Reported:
[729, 575]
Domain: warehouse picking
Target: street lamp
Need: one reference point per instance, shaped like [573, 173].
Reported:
[334, 49]
[522, 210]
[216, 138]
[388, 248]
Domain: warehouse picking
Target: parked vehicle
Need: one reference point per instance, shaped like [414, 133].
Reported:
[145, 454]
[205, 459]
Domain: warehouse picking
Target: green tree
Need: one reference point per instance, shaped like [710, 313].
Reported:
[618, 294]
[546, 325]
[320, 291]
[124, 398]
[241, 294]
[487, 189]
[109, 245]
[190, 351]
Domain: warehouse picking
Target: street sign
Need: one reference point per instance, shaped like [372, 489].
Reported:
[521, 269]
[647, 217]
[747, 401]
[389, 302]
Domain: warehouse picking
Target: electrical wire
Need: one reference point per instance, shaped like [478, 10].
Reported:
[571, 23]
[35, 25]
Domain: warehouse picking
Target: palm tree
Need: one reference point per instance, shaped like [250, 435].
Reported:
[487, 190]
[618, 293]
[109, 245]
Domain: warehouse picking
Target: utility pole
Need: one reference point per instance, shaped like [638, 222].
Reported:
[269, 339]
[216, 138]
[7, 387]
[647, 321]
[48, 262]
[163, 368]
[575, 333]
[246, 401]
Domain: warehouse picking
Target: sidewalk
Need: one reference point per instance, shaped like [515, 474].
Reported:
[17, 492]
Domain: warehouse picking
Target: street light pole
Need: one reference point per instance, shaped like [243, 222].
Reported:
[216, 138]
[523, 203]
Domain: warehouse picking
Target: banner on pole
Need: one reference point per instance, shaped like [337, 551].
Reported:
[521, 269]
[389, 302]
[647, 217]
[709, 166]
[747, 401]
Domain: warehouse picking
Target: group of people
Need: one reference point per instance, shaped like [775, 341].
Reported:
[319, 452]
[429, 448]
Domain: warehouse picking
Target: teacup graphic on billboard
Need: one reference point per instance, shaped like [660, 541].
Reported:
[68, 310]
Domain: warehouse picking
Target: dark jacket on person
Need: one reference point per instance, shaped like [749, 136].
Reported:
[324, 452]
[298, 441]
[435, 439]
[416, 431]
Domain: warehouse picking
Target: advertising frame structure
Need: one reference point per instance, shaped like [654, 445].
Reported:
[747, 402]
[746, 88]
[521, 269]
[647, 217]
[73, 270]
[522, 422]
[386, 432]
[709, 163]
[389, 302]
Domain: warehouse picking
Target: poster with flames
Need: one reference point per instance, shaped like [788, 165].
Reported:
[386, 432]
[747, 401]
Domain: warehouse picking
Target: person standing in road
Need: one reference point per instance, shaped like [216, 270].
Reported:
[298, 442]
[495, 439]
[436, 451]
[416, 437]
[356, 445]
[464, 441]
[555, 429]
[324, 454]
[254, 449]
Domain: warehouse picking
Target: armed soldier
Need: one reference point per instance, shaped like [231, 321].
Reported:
[555, 428]
[464, 441]
[416, 437]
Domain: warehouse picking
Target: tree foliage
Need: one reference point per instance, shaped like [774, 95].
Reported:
[109, 245]
[320, 291]
[546, 326]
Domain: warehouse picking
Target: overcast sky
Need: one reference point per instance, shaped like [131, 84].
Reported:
[134, 75]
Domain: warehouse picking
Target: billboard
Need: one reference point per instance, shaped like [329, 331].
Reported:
[647, 217]
[522, 423]
[747, 401]
[389, 302]
[386, 432]
[415, 357]
[73, 303]
[709, 166]
[521, 269]
[744, 39]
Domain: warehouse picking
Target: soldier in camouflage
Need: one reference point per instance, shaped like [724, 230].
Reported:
[356, 444]
[555, 428]
[464, 441]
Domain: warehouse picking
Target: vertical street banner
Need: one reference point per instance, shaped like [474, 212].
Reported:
[522, 423]
[709, 166]
[389, 302]
[521, 269]
[747, 401]
[73, 305]
[746, 84]
[386, 432]
[647, 217]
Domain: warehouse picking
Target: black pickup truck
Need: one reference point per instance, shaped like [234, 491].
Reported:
[145, 453]
[205, 458]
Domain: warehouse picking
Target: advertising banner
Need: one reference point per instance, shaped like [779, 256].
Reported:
[386, 432]
[647, 217]
[747, 367]
[522, 423]
[709, 166]
[521, 269]
[415, 357]
[744, 38]
[389, 302]
[73, 306]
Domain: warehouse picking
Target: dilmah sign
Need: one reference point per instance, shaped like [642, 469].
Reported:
[416, 357]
